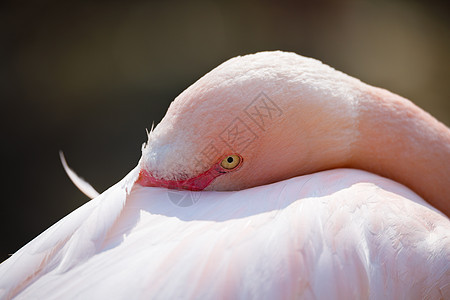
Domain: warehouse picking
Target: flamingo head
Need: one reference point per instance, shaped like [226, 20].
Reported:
[253, 120]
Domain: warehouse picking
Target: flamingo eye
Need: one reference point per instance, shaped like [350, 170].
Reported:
[231, 161]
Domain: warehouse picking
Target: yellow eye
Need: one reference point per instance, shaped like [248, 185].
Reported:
[230, 162]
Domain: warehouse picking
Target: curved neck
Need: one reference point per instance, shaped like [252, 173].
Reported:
[400, 141]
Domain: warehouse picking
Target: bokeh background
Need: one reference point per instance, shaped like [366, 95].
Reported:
[87, 77]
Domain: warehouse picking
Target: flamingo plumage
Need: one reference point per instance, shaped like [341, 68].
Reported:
[273, 140]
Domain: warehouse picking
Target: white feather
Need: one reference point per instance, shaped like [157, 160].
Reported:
[79, 182]
[329, 235]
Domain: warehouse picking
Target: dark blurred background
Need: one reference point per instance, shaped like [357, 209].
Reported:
[88, 77]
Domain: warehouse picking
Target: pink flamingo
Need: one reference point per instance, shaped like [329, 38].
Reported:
[283, 135]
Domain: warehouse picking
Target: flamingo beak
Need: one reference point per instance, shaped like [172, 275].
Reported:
[198, 183]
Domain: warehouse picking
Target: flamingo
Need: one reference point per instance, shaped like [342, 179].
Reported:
[273, 176]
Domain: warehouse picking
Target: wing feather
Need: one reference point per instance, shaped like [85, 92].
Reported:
[339, 234]
[69, 242]
[79, 182]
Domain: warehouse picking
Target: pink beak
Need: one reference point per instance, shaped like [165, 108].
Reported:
[197, 183]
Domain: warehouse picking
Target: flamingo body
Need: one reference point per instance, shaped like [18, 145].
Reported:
[338, 234]
[256, 134]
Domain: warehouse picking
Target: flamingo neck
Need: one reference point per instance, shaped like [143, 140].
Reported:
[400, 141]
